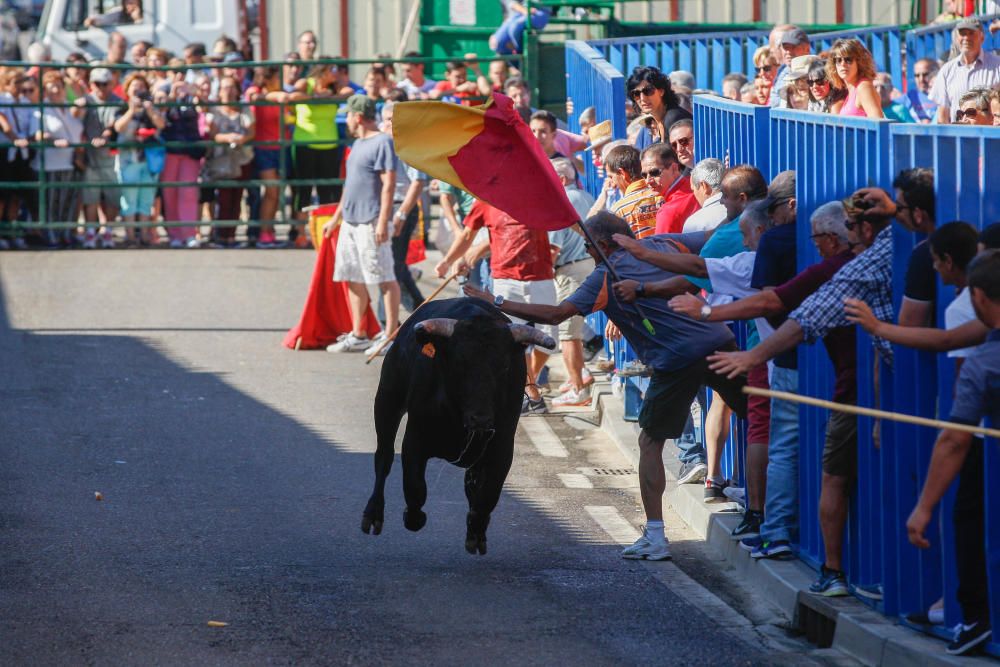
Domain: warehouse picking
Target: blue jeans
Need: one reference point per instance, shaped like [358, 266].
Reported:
[691, 444]
[781, 505]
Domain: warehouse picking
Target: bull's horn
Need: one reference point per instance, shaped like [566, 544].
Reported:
[526, 335]
[438, 326]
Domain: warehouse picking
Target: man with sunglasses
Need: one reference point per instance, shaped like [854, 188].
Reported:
[974, 67]
[101, 110]
[665, 175]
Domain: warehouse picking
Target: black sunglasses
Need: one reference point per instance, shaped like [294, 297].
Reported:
[647, 91]
[968, 113]
[817, 82]
[652, 173]
[765, 68]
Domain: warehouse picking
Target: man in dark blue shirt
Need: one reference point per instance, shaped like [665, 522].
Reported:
[977, 397]
[676, 352]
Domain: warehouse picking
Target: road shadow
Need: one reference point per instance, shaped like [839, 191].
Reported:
[217, 507]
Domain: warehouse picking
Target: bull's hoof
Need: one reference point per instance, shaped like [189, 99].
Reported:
[414, 519]
[475, 543]
[371, 525]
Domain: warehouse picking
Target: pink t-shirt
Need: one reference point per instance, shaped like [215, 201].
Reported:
[851, 107]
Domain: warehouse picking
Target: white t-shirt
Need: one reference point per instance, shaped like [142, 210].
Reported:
[730, 278]
[711, 214]
[959, 312]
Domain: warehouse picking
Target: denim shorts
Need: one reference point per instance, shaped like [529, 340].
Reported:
[266, 158]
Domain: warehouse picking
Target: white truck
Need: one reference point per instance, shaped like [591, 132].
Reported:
[169, 24]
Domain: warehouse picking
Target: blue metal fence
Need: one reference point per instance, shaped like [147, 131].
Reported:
[833, 156]
[934, 41]
[708, 56]
[592, 81]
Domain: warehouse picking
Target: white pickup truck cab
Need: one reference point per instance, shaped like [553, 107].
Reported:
[169, 24]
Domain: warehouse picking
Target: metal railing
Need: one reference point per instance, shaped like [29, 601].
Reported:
[934, 41]
[884, 42]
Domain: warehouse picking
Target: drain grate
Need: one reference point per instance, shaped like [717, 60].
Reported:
[607, 471]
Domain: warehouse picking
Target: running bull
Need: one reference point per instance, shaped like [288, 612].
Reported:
[457, 370]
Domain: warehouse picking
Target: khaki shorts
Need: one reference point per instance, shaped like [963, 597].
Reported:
[529, 291]
[569, 277]
[111, 193]
[840, 450]
[360, 259]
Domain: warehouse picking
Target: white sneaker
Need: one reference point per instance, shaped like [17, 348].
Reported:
[572, 397]
[107, 240]
[588, 380]
[193, 242]
[647, 549]
[90, 241]
[370, 350]
[350, 344]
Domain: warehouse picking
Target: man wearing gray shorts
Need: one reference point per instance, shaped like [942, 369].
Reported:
[101, 108]
[364, 251]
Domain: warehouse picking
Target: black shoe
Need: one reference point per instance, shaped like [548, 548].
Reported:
[692, 472]
[967, 637]
[750, 526]
[713, 491]
[532, 407]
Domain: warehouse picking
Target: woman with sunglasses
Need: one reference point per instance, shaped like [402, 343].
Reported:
[823, 97]
[650, 92]
[850, 67]
[765, 65]
[974, 108]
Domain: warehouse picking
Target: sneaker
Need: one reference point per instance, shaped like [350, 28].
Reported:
[266, 240]
[831, 583]
[370, 350]
[736, 494]
[592, 347]
[176, 243]
[645, 549]
[193, 242]
[302, 243]
[635, 369]
[20, 244]
[967, 637]
[751, 543]
[572, 397]
[779, 549]
[749, 527]
[107, 241]
[4, 244]
[531, 406]
[868, 591]
[90, 241]
[588, 380]
[692, 472]
[714, 491]
[351, 343]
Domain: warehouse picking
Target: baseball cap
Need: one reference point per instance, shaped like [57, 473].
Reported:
[799, 67]
[969, 24]
[100, 75]
[361, 104]
[795, 36]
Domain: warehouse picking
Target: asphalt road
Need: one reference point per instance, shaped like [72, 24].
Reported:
[233, 474]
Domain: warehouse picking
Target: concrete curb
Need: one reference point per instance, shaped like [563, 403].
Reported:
[857, 630]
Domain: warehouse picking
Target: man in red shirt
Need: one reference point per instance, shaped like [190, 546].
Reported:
[456, 87]
[521, 264]
[663, 173]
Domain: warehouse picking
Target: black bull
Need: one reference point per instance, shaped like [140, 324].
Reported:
[457, 369]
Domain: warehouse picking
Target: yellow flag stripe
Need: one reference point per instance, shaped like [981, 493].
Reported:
[428, 133]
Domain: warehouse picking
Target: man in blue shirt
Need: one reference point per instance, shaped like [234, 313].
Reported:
[676, 352]
[977, 397]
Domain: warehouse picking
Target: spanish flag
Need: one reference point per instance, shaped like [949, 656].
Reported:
[487, 151]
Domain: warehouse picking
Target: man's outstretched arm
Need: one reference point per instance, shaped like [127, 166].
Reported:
[532, 312]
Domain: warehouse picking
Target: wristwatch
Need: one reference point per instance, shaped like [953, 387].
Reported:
[640, 289]
[706, 312]
[498, 300]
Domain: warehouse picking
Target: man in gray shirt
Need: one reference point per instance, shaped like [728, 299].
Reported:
[364, 253]
[101, 108]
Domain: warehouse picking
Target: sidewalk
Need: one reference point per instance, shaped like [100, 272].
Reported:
[844, 623]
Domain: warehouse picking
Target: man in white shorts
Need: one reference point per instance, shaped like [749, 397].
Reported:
[521, 263]
[364, 251]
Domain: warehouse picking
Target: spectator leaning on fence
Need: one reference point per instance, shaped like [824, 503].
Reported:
[651, 94]
[666, 176]
[922, 107]
[891, 109]
[973, 68]
[139, 122]
[795, 92]
[794, 42]
[850, 67]
[977, 397]
[823, 97]
[828, 225]
[639, 204]
[706, 179]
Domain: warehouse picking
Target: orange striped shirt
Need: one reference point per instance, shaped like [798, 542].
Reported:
[638, 207]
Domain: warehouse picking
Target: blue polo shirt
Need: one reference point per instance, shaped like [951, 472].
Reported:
[679, 341]
[977, 392]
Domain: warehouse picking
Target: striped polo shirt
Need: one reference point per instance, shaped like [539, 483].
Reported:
[638, 207]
